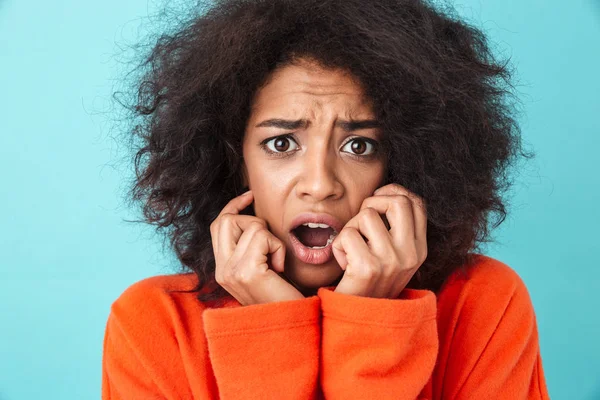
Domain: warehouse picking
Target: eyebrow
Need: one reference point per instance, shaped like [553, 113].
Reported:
[348, 126]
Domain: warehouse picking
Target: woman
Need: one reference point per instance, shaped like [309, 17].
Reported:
[325, 170]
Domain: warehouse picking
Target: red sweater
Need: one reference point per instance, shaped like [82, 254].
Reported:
[477, 339]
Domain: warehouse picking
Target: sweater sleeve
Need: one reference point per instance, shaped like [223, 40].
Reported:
[489, 341]
[265, 350]
[377, 348]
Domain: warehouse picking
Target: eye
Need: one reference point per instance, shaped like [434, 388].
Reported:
[280, 144]
[360, 147]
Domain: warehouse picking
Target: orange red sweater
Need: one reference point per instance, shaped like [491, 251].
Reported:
[477, 339]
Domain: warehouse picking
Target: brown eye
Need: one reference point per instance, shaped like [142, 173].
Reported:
[280, 144]
[359, 147]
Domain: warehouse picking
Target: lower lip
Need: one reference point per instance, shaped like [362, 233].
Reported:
[308, 255]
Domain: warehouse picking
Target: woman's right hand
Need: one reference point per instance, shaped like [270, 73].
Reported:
[242, 245]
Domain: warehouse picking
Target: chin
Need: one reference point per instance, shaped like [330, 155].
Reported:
[310, 277]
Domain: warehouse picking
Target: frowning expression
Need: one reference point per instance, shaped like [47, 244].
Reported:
[311, 154]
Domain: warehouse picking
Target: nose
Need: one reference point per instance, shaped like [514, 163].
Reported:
[319, 180]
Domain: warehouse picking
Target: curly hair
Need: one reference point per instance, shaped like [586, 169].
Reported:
[446, 104]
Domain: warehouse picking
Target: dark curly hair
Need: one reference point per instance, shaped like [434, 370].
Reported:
[447, 106]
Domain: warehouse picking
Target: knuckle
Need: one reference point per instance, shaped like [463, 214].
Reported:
[260, 222]
[244, 276]
[367, 214]
[397, 206]
[411, 259]
[371, 212]
[213, 226]
[420, 202]
[220, 278]
[227, 218]
[403, 200]
[274, 239]
[390, 265]
[376, 269]
[390, 273]
[256, 225]
[367, 271]
[393, 268]
[229, 279]
[345, 234]
[366, 202]
[262, 233]
[423, 255]
[224, 275]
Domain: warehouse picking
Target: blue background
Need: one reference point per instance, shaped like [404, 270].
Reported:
[66, 252]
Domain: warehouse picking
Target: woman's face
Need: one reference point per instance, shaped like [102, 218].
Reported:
[310, 153]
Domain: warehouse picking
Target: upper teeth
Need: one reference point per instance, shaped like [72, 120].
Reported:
[313, 225]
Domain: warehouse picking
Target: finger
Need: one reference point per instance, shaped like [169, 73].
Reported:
[383, 247]
[266, 244]
[234, 206]
[231, 261]
[340, 255]
[248, 228]
[390, 189]
[358, 255]
[370, 224]
[399, 212]
[248, 270]
[231, 229]
[237, 204]
[419, 207]
[360, 276]
[257, 242]
[409, 244]
[338, 244]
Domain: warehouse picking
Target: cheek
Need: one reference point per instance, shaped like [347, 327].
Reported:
[379, 178]
[268, 185]
[362, 185]
[369, 179]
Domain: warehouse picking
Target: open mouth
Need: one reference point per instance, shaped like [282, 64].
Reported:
[311, 237]
[314, 235]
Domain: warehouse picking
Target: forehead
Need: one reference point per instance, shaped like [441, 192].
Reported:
[307, 81]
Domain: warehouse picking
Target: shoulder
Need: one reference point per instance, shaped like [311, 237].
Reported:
[156, 300]
[156, 288]
[486, 286]
[485, 275]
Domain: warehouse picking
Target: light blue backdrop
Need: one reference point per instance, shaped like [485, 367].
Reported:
[66, 254]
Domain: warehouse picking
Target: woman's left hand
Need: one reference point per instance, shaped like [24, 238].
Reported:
[383, 265]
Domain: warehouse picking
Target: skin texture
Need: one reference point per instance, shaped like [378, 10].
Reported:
[318, 176]
[322, 168]
[445, 101]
